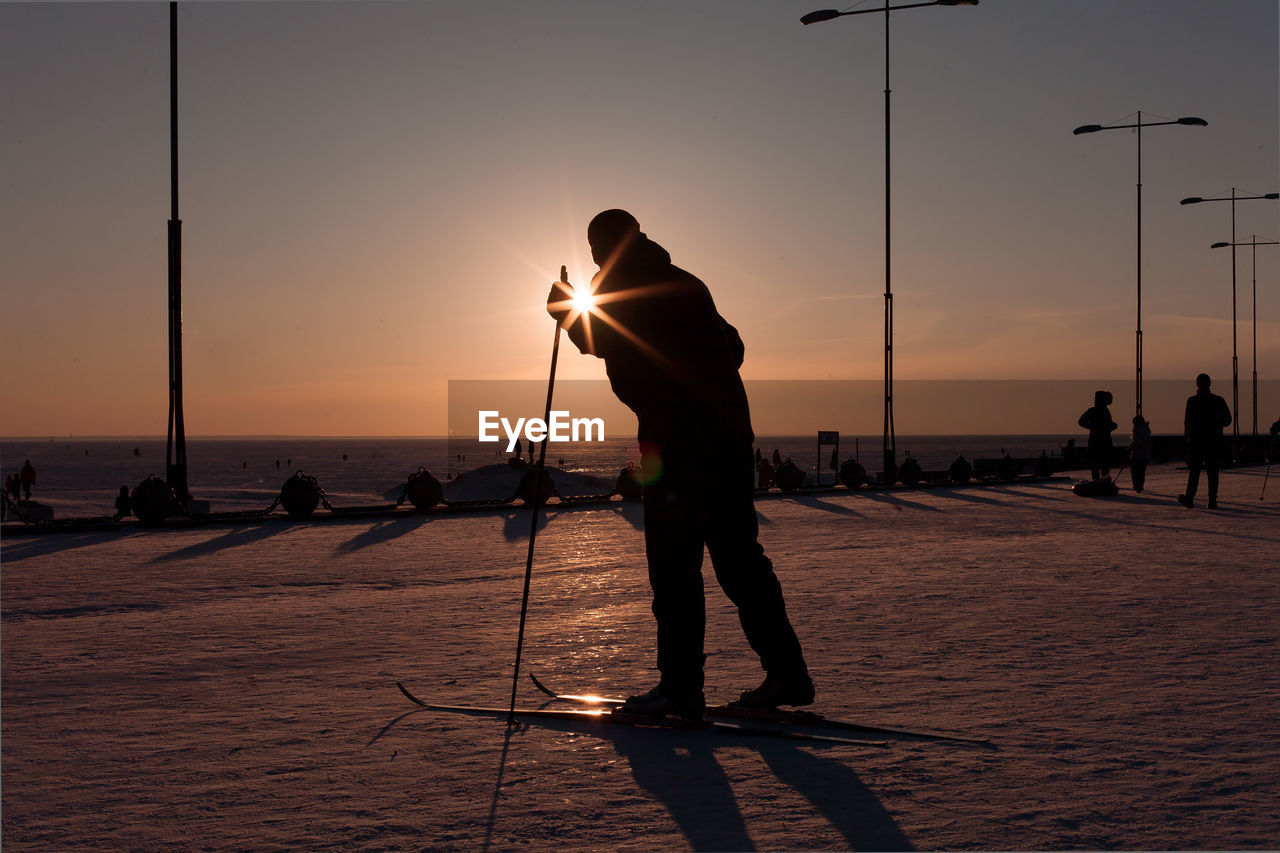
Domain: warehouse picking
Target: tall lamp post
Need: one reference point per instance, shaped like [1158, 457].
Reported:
[1235, 360]
[176, 446]
[890, 440]
[1255, 243]
[1138, 126]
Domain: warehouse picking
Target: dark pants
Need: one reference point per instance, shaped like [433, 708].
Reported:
[1100, 455]
[706, 498]
[1139, 467]
[1206, 458]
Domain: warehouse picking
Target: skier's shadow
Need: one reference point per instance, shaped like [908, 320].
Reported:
[683, 774]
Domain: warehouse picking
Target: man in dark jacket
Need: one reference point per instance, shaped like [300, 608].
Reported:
[1206, 415]
[674, 361]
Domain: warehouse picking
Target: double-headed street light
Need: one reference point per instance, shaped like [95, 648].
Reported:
[890, 441]
[1235, 360]
[1138, 126]
[1255, 243]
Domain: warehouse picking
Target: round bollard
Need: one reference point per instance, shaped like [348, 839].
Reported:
[911, 472]
[960, 471]
[152, 500]
[300, 495]
[789, 477]
[852, 474]
[423, 490]
[529, 482]
[628, 484]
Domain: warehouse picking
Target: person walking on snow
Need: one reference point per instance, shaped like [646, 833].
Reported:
[1206, 415]
[674, 361]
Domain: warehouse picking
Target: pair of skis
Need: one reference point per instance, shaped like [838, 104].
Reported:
[720, 719]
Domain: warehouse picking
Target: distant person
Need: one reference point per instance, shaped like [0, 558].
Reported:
[675, 364]
[764, 473]
[15, 487]
[1139, 452]
[520, 450]
[1206, 415]
[122, 503]
[1097, 420]
[9, 482]
[28, 477]
[777, 458]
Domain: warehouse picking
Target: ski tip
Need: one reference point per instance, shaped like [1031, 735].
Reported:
[538, 684]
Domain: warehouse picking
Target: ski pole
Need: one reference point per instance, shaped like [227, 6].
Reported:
[1265, 477]
[533, 526]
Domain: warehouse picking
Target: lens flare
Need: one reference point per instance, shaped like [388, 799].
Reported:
[583, 300]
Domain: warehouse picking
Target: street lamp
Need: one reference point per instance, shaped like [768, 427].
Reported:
[1094, 128]
[175, 452]
[1255, 243]
[1235, 361]
[890, 440]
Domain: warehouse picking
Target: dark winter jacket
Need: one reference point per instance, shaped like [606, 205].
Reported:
[1207, 414]
[669, 354]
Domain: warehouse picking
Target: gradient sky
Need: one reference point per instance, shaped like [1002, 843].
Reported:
[376, 195]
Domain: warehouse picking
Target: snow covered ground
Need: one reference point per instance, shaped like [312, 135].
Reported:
[233, 687]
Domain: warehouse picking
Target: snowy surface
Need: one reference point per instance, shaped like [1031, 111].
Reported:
[232, 687]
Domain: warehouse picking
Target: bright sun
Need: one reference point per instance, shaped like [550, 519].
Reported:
[583, 300]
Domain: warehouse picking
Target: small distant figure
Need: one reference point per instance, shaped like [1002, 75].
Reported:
[15, 487]
[777, 458]
[244, 466]
[1206, 415]
[759, 456]
[344, 457]
[277, 464]
[765, 473]
[9, 485]
[520, 450]
[1097, 420]
[1139, 452]
[122, 503]
[137, 451]
[28, 477]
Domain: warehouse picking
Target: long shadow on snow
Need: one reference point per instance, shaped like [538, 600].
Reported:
[382, 531]
[41, 546]
[235, 537]
[680, 770]
[683, 774]
[1236, 508]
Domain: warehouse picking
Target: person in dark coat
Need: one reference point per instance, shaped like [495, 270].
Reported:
[674, 361]
[1139, 451]
[1206, 415]
[1097, 420]
[28, 477]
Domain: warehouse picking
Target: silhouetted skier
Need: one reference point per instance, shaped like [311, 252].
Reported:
[675, 364]
[1206, 415]
[1139, 451]
[1097, 420]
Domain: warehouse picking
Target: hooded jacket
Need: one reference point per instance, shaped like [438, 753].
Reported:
[670, 356]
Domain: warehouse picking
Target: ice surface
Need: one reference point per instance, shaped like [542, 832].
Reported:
[232, 687]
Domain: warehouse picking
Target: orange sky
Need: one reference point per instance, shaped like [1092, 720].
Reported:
[375, 195]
